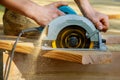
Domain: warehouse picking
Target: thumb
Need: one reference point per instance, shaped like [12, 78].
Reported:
[60, 3]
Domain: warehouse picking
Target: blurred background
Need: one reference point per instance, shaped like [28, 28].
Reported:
[1, 13]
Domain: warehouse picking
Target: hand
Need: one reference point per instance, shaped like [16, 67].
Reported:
[100, 21]
[41, 14]
[47, 13]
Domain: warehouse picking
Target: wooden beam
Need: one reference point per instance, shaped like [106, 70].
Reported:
[22, 47]
[84, 57]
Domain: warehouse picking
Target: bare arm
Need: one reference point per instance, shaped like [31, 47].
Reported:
[41, 14]
[21, 6]
[100, 20]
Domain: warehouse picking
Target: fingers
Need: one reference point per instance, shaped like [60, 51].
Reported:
[100, 26]
[60, 3]
[60, 13]
[97, 23]
[101, 23]
[105, 22]
[54, 6]
[51, 12]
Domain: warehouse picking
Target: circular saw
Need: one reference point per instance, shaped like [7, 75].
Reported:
[72, 32]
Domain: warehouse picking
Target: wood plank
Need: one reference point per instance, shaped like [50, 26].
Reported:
[84, 57]
[22, 47]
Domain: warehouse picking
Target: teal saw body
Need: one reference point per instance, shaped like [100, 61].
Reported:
[72, 31]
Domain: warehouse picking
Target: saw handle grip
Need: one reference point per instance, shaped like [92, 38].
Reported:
[67, 10]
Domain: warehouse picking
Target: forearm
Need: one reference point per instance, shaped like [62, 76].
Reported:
[24, 7]
[85, 7]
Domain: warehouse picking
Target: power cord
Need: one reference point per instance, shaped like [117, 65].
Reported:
[7, 71]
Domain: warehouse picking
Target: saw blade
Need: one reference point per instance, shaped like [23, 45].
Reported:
[72, 37]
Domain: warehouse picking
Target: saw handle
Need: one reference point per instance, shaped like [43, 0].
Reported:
[67, 10]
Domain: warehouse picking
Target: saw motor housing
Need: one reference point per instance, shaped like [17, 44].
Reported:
[72, 32]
